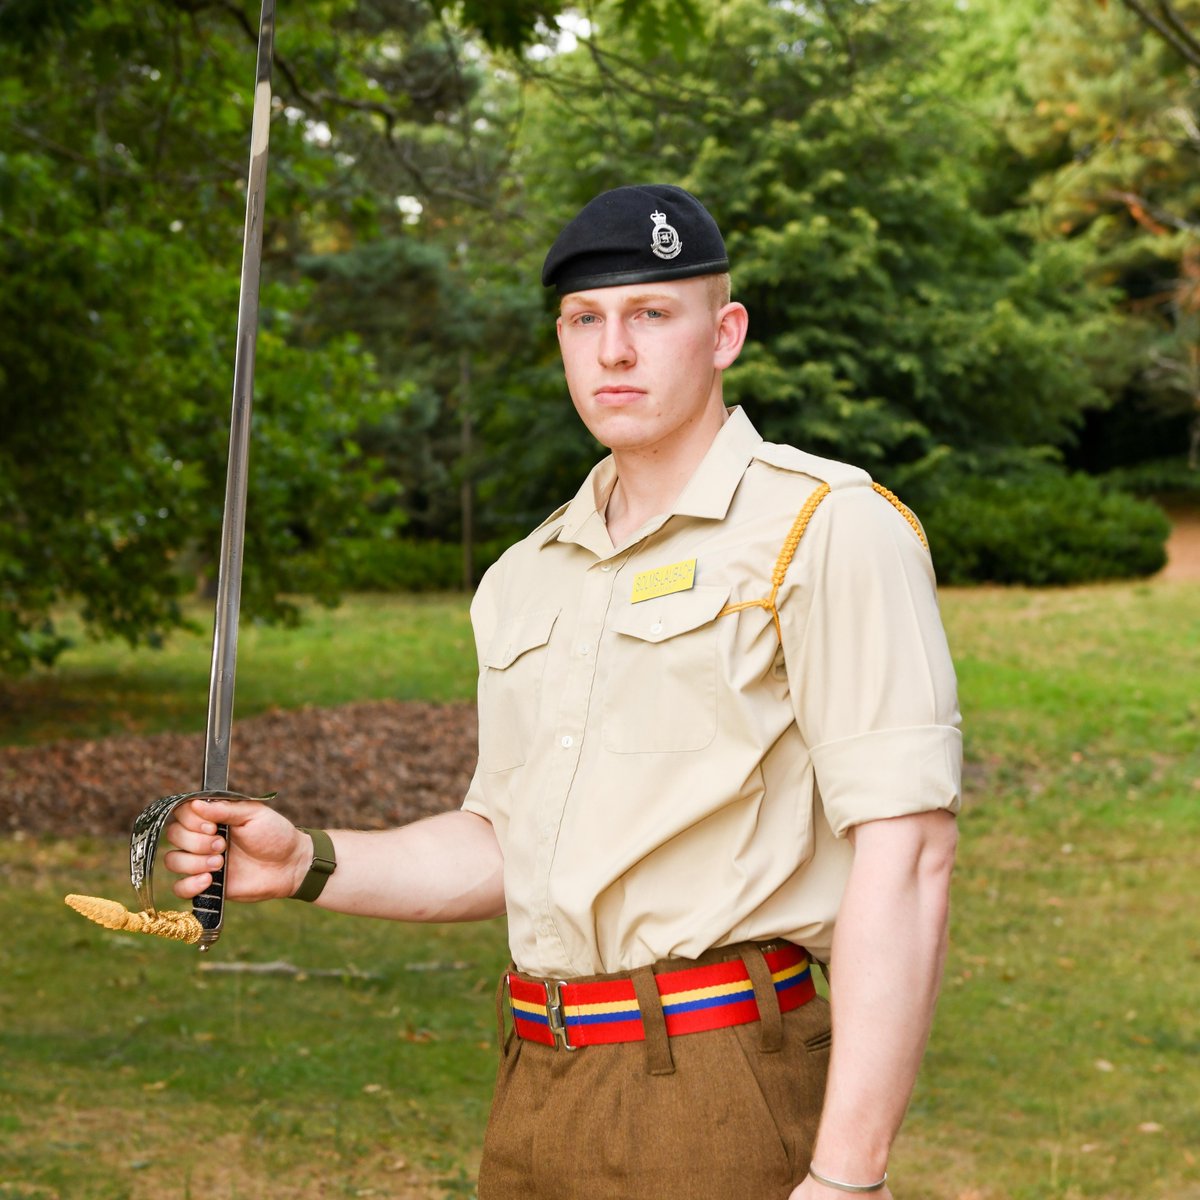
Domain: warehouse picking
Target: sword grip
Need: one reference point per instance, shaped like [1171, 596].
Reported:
[209, 907]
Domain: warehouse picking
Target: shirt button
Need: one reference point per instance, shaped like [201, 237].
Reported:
[584, 648]
[568, 742]
[606, 566]
[656, 627]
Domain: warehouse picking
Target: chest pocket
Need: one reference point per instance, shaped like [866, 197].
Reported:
[660, 693]
[510, 688]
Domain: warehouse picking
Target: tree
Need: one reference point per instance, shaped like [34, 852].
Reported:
[122, 153]
[121, 173]
[892, 314]
[1110, 99]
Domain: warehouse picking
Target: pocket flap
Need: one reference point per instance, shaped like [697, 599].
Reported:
[513, 638]
[669, 616]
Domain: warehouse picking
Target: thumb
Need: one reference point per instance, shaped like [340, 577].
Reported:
[227, 812]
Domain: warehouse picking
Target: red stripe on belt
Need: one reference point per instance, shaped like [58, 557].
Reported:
[694, 999]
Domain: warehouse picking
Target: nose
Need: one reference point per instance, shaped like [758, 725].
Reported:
[616, 346]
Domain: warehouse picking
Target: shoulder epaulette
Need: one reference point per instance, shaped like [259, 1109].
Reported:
[827, 470]
[558, 512]
[832, 476]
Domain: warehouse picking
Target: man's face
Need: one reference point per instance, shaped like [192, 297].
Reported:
[643, 361]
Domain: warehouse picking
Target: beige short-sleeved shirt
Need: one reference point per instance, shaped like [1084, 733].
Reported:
[663, 778]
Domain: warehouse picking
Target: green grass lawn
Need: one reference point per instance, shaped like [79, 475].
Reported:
[333, 657]
[1063, 1062]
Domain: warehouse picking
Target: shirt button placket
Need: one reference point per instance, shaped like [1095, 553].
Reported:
[595, 596]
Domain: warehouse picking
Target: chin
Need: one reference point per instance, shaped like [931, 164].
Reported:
[618, 434]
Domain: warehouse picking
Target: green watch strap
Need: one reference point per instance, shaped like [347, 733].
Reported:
[324, 864]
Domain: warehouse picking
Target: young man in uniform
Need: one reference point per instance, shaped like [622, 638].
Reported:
[718, 740]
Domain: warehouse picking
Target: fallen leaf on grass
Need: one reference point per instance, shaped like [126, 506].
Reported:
[1149, 1127]
[1102, 1064]
[419, 1036]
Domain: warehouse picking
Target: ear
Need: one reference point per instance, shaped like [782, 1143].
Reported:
[732, 323]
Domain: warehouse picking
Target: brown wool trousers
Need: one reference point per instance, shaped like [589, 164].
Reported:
[723, 1115]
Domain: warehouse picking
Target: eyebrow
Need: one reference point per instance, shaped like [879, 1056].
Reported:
[629, 302]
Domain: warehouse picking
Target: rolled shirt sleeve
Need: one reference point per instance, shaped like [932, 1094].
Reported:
[869, 670]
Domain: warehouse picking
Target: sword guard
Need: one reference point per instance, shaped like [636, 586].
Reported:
[208, 908]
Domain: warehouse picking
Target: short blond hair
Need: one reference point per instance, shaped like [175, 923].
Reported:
[719, 290]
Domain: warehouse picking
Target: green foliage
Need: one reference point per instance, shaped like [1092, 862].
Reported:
[120, 218]
[408, 565]
[1109, 107]
[935, 213]
[1040, 526]
[1165, 479]
[889, 312]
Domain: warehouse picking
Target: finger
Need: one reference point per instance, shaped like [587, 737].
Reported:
[194, 816]
[204, 842]
[182, 863]
[190, 886]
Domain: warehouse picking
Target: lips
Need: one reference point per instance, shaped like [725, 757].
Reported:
[617, 395]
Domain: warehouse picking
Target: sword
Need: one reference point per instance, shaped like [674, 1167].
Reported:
[209, 907]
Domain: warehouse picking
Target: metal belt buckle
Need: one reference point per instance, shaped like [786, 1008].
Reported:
[556, 1013]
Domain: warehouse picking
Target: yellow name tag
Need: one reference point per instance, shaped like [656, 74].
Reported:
[662, 581]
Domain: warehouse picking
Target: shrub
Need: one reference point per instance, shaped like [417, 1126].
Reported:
[1041, 526]
[1168, 479]
[408, 565]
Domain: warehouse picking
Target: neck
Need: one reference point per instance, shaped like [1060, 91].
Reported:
[650, 479]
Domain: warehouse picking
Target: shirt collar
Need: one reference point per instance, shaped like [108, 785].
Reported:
[707, 494]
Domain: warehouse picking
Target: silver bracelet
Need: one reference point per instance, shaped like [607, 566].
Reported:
[847, 1187]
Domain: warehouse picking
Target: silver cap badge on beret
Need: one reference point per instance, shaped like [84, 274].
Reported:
[664, 241]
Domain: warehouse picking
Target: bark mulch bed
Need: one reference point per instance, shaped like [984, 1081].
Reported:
[364, 766]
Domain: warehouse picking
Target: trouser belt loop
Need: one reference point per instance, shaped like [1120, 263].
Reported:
[659, 1060]
[504, 1038]
[770, 1019]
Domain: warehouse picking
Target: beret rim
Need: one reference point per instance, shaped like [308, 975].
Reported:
[583, 283]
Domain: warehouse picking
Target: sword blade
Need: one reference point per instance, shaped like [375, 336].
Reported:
[209, 906]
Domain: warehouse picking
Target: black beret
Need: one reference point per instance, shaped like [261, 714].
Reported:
[635, 234]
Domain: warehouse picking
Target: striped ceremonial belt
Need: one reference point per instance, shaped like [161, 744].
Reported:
[694, 999]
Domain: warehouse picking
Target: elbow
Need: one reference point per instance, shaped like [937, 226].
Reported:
[911, 856]
[937, 848]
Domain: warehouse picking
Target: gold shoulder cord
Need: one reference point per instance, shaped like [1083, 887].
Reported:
[788, 550]
[903, 510]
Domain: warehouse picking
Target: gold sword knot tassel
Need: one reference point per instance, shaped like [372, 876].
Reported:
[178, 926]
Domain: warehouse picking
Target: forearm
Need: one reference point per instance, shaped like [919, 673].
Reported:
[444, 868]
[888, 953]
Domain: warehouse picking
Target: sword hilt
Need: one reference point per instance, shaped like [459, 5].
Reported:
[209, 907]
